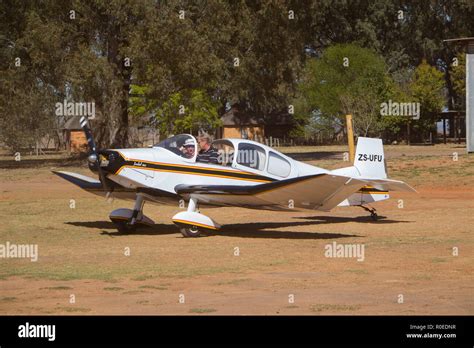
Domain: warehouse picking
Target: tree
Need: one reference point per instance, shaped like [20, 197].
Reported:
[238, 52]
[347, 79]
[458, 80]
[403, 32]
[250, 53]
[27, 90]
[77, 50]
[187, 112]
[427, 89]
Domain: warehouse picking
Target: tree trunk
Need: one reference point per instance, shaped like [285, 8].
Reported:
[449, 87]
[119, 138]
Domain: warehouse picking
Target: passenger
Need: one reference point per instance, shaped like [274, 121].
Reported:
[208, 154]
[189, 148]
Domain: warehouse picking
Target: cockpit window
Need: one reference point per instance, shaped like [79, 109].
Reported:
[278, 166]
[225, 150]
[183, 145]
[251, 155]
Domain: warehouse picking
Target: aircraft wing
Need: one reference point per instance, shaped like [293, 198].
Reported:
[320, 191]
[94, 186]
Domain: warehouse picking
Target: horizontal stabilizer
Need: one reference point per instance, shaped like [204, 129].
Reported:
[388, 184]
[319, 192]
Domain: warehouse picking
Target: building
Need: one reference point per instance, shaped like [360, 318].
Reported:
[74, 136]
[456, 125]
[239, 124]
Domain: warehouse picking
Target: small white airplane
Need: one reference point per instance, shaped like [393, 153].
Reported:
[248, 174]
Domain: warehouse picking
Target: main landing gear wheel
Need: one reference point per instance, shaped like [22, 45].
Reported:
[124, 226]
[372, 211]
[374, 216]
[192, 223]
[191, 231]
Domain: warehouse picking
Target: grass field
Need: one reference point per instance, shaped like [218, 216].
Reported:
[408, 252]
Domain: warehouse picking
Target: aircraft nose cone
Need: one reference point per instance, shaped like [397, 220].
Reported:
[92, 158]
[109, 161]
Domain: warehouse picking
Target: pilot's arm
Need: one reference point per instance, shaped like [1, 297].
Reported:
[209, 156]
[214, 156]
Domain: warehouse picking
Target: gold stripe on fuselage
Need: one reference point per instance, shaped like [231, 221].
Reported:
[184, 165]
[190, 173]
[194, 224]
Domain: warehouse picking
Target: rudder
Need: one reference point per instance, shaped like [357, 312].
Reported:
[370, 158]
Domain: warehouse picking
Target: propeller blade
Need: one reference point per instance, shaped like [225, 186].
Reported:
[88, 133]
[93, 150]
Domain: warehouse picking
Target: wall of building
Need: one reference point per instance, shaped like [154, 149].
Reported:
[252, 132]
[78, 141]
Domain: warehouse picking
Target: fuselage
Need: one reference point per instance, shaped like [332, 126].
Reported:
[160, 168]
[159, 173]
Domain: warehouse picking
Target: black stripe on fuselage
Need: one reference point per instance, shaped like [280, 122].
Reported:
[370, 189]
[240, 190]
[191, 170]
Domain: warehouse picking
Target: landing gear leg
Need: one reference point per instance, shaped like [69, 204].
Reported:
[372, 211]
[191, 230]
[130, 225]
[137, 209]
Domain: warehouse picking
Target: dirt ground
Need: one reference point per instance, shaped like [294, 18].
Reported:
[419, 256]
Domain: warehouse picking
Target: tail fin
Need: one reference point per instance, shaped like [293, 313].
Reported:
[370, 159]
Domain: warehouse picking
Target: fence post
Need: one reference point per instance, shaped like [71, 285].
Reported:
[350, 137]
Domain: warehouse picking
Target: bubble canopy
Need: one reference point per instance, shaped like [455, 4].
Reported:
[177, 144]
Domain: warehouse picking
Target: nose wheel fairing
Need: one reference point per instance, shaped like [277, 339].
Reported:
[123, 217]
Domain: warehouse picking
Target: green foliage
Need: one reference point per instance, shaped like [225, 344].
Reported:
[458, 80]
[394, 126]
[139, 103]
[188, 112]
[427, 89]
[252, 58]
[82, 59]
[347, 79]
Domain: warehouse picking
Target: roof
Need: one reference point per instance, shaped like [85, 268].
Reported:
[460, 39]
[279, 119]
[235, 117]
[451, 112]
[73, 123]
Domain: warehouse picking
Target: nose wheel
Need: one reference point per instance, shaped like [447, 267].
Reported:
[124, 226]
[127, 220]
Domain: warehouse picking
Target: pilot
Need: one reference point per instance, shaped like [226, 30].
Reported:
[208, 154]
[188, 148]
